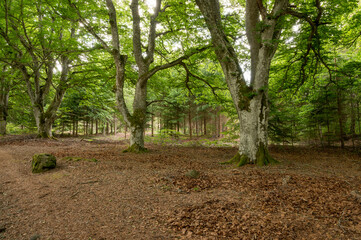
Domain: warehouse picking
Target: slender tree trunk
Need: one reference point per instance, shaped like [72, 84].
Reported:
[340, 118]
[115, 125]
[125, 131]
[152, 125]
[196, 123]
[4, 100]
[219, 125]
[353, 119]
[96, 127]
[184, 125]
[358, 117]
[62, 128]
[92, 127]
[190, 123]
[205, 124]
[74, 126]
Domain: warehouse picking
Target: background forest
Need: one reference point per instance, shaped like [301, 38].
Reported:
[58, 76]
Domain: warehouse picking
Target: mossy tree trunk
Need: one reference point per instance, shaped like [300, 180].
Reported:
[250, 100]
[4, 100]
[137, 120]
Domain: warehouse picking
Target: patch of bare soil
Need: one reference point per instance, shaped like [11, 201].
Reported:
[309, 195]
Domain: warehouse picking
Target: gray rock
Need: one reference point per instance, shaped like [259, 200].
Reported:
[43, 162]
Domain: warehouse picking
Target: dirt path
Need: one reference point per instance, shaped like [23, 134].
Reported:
[147, 196]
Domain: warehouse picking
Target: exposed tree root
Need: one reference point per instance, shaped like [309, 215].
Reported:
[238, 159]
[135, 148]
[263, 158]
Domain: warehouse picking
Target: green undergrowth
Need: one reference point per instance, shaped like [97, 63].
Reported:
[184, 140]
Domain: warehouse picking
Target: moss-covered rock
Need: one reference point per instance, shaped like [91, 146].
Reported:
[193, 174]
[43, 162]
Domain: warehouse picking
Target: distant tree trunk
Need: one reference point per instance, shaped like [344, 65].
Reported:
[205, 124]
[219, 125]
[190, 123]
[340, 118]
[115, 125]
[184, 125]
[4, 100]
[215, 124]
[196, 121]
[152, 123]
[92, 127]
[358, 117]
[85, 127]
[353, 119]
[125, 131]
[74, 127]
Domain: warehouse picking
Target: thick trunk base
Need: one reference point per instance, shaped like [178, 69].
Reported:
[135, 148]
[263, 158]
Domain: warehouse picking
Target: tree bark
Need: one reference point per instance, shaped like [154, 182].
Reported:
[4, 103]
[251, 102]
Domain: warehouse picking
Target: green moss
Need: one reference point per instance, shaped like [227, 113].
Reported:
[138, 118]
[238, 159]
[245, 95]
[243, 160]
[263, 157]
[77, 159]
[135, 148]
[42, 162]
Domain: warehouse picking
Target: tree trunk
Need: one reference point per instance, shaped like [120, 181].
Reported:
[138, 120]
[190, 122]
[152, 125]
[353, 119]
[115, 125]
[96, 127]
[205, 124]
[74, 126]
[340, 118]
[92, 127]
[4, 100]
[251, 102]
[358, 117]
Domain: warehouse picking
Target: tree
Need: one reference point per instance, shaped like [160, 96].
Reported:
[264, 22]
[36, 49]
[136, 119]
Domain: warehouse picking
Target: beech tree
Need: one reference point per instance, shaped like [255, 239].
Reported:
[264, 22]
[35, 50]
[143, 54]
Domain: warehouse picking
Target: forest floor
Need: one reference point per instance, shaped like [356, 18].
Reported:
[311, 194]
